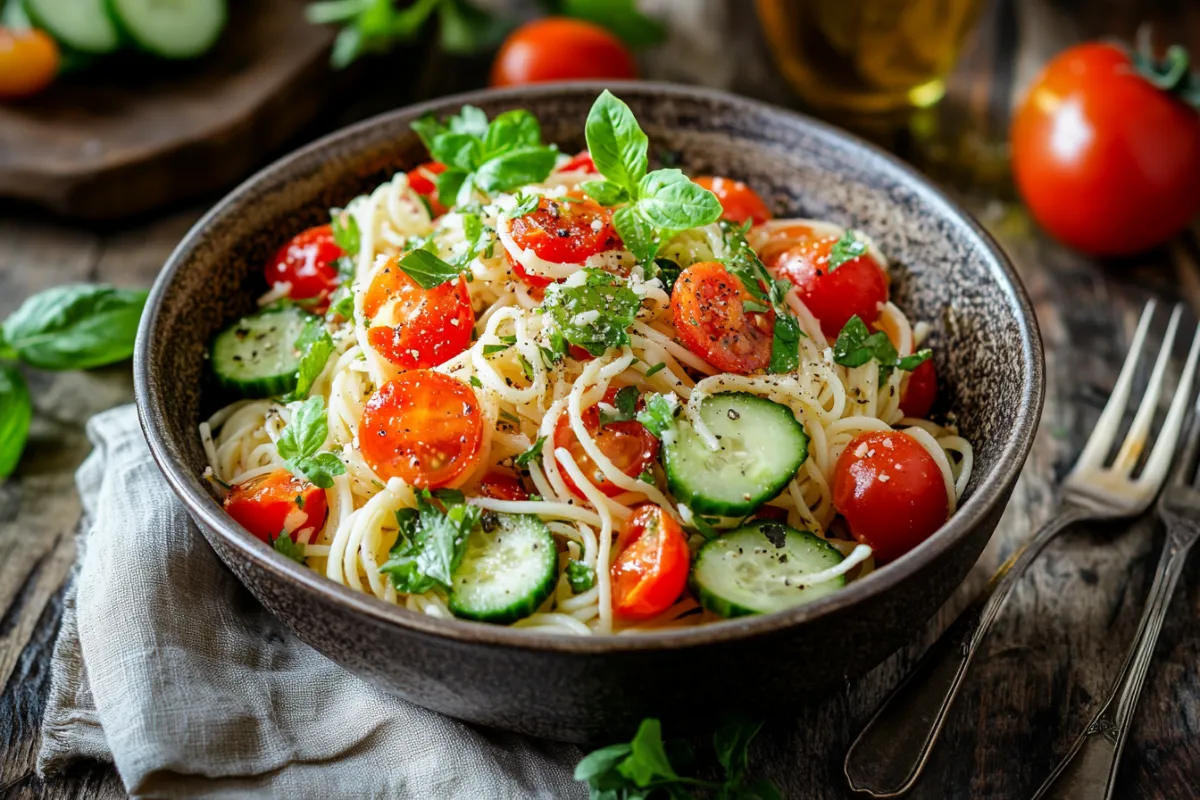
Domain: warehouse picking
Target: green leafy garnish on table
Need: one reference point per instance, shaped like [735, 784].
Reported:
[648, 767]
[431, 543]
[78, 326]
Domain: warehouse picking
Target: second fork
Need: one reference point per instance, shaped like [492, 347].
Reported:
[891, 751]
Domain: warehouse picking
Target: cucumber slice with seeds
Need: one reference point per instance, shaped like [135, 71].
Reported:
[256, 356]
[759, 568]
[83, 25]
[171, 28]
[762, 445]
[508, 570]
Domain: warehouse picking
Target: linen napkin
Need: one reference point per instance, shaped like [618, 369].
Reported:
[167, 667]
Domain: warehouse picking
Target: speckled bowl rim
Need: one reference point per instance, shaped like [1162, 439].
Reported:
[989, 493]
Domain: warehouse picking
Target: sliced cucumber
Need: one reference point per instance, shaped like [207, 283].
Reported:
[171, 28]
[508, 570]
[256, 356]
[83, 25]
[761, 448]
[759, 568]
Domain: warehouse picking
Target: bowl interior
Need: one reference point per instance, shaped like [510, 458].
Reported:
[946, 272]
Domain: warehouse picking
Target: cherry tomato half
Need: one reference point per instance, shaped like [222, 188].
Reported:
[562, 233]
[423, 182]
[502, 486]
[582, 162]
[28, 62]
[309, 263]
[651, 567]
[275, 503]
[920, 392]
[422, 427]
[561, 49]
[857, 287]
[417, 328]
[1106, 161]
[710, 320]
[890, 491]
[627, 444]
[739, 201]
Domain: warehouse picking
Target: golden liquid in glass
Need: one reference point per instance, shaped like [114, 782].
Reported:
[866, 57]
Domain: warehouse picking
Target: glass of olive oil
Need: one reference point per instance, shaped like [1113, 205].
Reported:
[864, 58]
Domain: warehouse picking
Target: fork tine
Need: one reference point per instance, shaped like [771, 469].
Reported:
[1106, 428]
[1135, 440]
[1164, 448]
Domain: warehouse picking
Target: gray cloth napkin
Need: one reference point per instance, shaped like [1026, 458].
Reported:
[167, 667]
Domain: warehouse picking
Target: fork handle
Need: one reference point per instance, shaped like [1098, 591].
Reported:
[888, 756]
[1089, 770]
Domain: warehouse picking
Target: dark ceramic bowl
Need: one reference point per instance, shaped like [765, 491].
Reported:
[947, 271]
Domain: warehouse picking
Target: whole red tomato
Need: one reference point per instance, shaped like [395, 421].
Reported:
[1108, 162]
[561, 49]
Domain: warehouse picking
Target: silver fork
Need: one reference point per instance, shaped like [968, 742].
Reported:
[890, 753]
[1089, 770]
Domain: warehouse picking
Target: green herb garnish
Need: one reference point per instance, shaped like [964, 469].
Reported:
[593, 309]
[431, 543]
[856, 345]
[301, 441]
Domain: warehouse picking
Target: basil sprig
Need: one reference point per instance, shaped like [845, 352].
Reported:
[658, 204]
[486, 157]
[646, 763]
[856, 345]
[592, 309]
[301, 441]
[431, 543]
[744, 264]
[78, 326]
[16, 411]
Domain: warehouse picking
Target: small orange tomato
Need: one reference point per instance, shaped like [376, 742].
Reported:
[652, 564]
[561, 49]
[28, 62]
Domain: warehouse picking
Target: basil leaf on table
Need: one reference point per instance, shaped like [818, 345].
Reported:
[16, 411]
[78, 326]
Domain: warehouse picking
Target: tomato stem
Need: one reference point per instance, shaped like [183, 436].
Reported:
[1171, 74]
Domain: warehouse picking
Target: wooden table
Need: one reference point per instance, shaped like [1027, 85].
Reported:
[1056, 648]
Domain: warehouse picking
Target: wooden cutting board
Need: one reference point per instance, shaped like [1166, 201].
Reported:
[135, 133]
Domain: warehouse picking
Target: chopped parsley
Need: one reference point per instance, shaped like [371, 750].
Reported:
[431, 542]
[580, 576]
[592, 309]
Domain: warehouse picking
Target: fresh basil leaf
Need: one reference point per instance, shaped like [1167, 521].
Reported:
[515, 168]
[315, 346]
[593, 309]
[760, 789]
[856, 345]
[427, 269]
[78, 326]
[451, 183]
[510, 130]
[329, 11]
[526, 367]
[668, 199]
[492, 349]
[847, 248]
[658, 415]
[473, 229]
[625, 403]
[621, 17]
[732, 742]
[754, 307]
[430, 545]
[647, 760]
[16, 412]
[474, 381]
[470, 120]
[449, 497]
[457, 150]
[580, 576]
[666, 270]
[428, 128]
[347, 47]
[909, 363]
[606, 193]
[617, 143]
[526, 204]
[345, 232]
[785, 345]
[532, 454]
[319, 469]
[466, 29]
[305, 434]
[638, 235]
[598, 762]
[284, 544]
